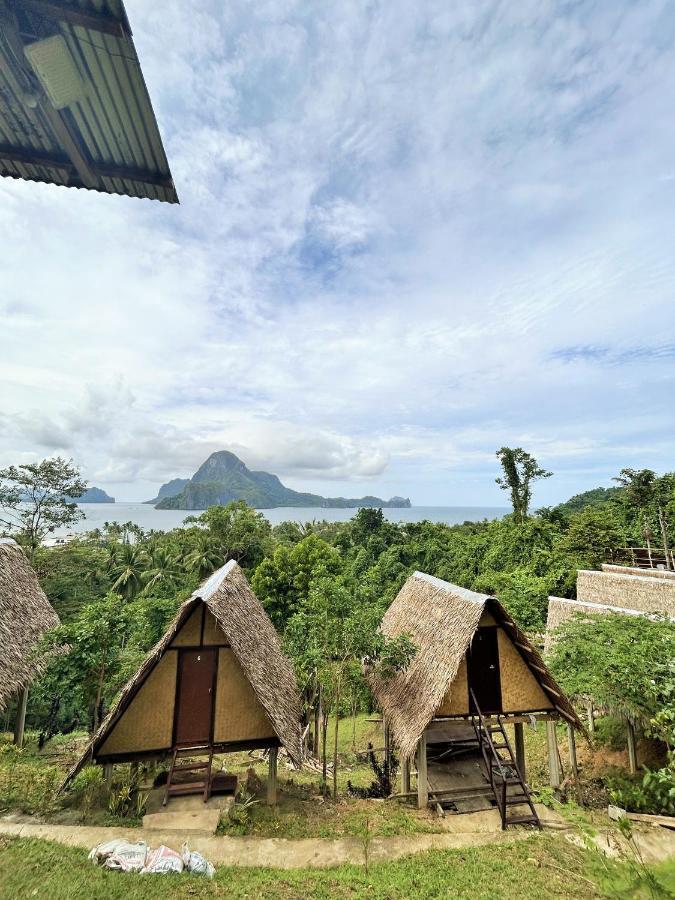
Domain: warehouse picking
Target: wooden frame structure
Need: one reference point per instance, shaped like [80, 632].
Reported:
[249, 699]
[426, 703]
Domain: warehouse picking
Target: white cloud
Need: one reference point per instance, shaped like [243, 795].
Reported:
[393, 220]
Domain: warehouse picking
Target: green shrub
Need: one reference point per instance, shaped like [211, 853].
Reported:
[26, 786]
[87, 786]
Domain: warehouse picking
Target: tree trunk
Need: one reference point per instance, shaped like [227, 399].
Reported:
[664, 537]
[324, 761]
[649, 543]
[335, 736]
[97, 702]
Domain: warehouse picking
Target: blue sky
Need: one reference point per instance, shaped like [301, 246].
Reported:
[408, 234]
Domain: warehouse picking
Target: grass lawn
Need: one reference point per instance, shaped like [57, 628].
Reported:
[29, 780]
[540, 867]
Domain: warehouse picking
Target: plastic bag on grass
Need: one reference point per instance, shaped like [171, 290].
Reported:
[194, 862]
[120, 855]
[162, 861]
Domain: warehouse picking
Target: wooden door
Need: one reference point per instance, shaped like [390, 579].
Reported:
[195, 697]
[483, 671]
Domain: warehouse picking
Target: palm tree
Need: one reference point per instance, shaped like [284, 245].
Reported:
[204, 558]
[127, 565]
[163, 568]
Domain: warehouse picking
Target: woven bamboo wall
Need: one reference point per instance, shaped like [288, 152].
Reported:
[239, 714]
[641, 592]
[191, 632]
[147, 723]
[520, 689]
[213, 633]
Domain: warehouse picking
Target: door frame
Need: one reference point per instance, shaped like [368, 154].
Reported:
[472, 711]
[181, 651]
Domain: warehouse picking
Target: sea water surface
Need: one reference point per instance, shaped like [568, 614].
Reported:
[96, 514]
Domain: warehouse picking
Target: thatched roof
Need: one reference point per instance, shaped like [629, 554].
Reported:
[255, 643]
[25, 616]
[441, 619]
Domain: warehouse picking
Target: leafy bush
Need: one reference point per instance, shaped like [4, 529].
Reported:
[87, 787]
[654, 793]
[25, 786]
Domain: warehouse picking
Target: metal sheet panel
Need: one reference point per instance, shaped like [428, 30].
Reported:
[114, 123]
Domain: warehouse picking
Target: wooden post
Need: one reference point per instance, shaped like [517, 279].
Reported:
[590, 713]
[107, 774]
[632, 753]
[519, 736]
[20, 724]
[572, 747]
[272, 778]
[422, 782]
[405, 776]
[555, 775]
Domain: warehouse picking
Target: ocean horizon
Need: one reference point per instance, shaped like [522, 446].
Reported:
[147, 517]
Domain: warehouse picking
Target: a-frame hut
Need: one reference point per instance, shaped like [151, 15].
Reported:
[25, 615]
[217, 681]
[474, 672]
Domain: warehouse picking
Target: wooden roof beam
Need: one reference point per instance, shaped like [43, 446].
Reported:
[59, 12]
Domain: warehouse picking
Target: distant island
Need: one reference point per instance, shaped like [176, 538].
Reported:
[224, 477]
[95, 495]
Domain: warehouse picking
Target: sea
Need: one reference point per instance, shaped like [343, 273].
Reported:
[147, 517]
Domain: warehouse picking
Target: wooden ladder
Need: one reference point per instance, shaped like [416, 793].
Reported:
[190, 787]
[502, 770]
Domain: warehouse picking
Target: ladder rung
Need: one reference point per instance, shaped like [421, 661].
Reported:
[187, 787]
[191, 767]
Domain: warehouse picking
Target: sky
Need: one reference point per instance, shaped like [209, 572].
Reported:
[409, 234]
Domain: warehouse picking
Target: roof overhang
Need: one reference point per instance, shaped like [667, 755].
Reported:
[102, 136]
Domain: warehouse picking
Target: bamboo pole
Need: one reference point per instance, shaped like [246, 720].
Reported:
[572, 747]
[632, 752]
[272, 778]
[555, 774]
[422, 780]
[405, 776]
[519, 736]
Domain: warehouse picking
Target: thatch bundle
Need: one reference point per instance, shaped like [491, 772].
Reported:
[255, 643]
[441, 619]
[25, 616]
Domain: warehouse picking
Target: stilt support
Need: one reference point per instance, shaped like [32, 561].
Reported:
[405, 776]
[590, 714]
[107, 774]
[555, 774]
[20, 723]
[272, 778]
[519, 740]
[632, 752]
[422, 781]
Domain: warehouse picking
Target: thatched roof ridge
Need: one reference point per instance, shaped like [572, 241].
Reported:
[441, 619]
[25, 615]
[255, 643]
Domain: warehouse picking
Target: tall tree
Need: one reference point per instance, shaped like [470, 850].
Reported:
[520, 471]
[34, 499]
[647, 493]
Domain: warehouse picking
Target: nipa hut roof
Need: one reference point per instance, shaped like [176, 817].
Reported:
[25, 616]
[255, 643]
[441, 619]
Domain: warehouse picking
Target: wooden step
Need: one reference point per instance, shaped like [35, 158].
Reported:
[191, 767]
[187, 787]
[523, 820]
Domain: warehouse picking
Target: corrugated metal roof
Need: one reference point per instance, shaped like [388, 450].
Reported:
[113, 125]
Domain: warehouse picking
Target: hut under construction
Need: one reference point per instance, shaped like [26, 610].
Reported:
[474, 672]
[25, 615]
[621, 590]
[216, 682]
